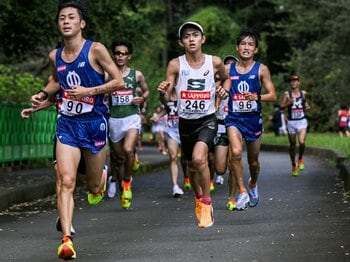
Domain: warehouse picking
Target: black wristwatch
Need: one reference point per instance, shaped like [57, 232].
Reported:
[46, 94]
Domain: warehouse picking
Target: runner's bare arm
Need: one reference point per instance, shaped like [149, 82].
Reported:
[219, 68]
[265, 78]
[165, 87]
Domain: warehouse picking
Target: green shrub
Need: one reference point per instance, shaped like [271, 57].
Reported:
[17, 87]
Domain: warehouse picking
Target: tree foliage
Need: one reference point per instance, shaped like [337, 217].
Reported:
[318, 40]
[303, 37]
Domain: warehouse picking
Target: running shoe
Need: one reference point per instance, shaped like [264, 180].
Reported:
[301, 164]
[136, 163]
[96, 198]
[111, 188]
[253, 195]
[126, 196]
[197, 208]
[231, 204]
[295, 171]
[177, 191]
[206, 216]
[187, 183]
[59, 227]
[212, 187]
[66, 250]
[219, 180]
[242, 201]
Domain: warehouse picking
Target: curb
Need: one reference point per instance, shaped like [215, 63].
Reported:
[40, 190]
[47, 188]
[341, 162]
[26, 193]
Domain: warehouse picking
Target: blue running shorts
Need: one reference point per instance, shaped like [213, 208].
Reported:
[89, 133]
[251, 128]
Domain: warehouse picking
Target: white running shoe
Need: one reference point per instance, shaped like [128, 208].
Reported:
[253, 195]
[59, 226]
[177, 191]
[219, 180]
[112, 187]
[242, 201]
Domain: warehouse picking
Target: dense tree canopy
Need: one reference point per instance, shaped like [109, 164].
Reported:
[303, 37]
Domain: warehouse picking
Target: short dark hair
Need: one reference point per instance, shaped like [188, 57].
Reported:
[248, 32]
[80, 5]
[124, 42]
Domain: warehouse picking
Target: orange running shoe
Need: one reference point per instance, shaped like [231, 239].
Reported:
[212, 187]
[231, 204]
[126, 196]
[187, 183]
[197, 208]
[301, 164]
[206, 216]
[66, 250]
[295, 171]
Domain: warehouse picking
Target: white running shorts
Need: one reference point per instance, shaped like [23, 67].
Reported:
[293, 126]
[119, 126]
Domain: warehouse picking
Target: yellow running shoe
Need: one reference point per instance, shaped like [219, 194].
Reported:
[295, 171]
[126, 196]
[231, 204]
[136, 163]
[96, 198]
[187, 183]
[66, 250]
[206, 216]
[212, 187]
[301, 164]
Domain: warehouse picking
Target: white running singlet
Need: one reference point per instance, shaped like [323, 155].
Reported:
[196, 89]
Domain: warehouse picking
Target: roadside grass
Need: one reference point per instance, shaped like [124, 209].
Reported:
[323, 140]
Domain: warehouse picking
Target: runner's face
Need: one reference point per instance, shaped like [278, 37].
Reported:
[69, 22]
[121, 55]
[247, 48]
[294, 84]
[192, 39]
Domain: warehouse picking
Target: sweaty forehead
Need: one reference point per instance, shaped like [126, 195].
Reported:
[248, 39]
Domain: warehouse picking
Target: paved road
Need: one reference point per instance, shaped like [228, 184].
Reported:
[298, 219]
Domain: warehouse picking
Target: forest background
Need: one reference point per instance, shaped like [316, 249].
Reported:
[308, 38]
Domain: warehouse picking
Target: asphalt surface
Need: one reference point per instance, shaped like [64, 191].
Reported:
[305, 218]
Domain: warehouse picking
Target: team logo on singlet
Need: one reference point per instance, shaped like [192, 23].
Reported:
[81, 64]
[297, 103]
[185, 72]
[243, 87]
[196, 84]
[61, 68]
[73, 79]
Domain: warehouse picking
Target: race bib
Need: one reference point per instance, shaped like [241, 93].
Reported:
[195, 102]
[297, 113]
[122, 97]
[241, 105]
[72, 107]
[173, 120]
